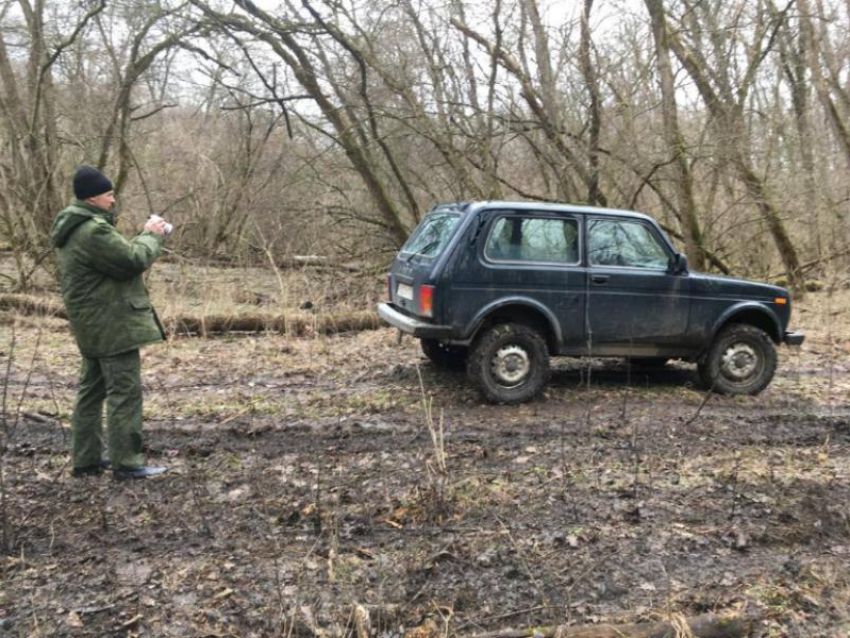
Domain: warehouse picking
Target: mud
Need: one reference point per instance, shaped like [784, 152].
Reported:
[305, 476]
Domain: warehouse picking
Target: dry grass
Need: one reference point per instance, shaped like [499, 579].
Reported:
[588, 503]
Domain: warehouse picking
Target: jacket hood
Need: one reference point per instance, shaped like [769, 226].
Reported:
[69, 219]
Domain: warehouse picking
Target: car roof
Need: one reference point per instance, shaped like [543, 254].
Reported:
[472, 207]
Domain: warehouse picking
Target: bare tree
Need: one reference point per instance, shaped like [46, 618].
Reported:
[726, 103]
[724, 118]
[531, 93]
[674, 140]
[30, 158]
[825, 81]
[145, 46]
[351, 133]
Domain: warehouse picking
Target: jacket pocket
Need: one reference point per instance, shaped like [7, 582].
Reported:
[139, 304]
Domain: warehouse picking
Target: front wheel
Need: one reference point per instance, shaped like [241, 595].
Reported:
[742, 360]
[509, 363]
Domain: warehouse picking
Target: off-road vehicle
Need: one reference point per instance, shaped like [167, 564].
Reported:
[498, 288]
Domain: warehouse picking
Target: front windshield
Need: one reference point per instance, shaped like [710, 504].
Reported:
[432, 235]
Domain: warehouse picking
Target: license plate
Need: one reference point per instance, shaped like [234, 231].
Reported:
[405, 292]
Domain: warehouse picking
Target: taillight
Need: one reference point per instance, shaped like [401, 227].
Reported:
[390, 287]
[426, 301]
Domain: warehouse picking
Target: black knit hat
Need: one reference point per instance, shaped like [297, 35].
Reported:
[90, 182]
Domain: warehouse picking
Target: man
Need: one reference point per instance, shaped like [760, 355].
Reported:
[100, 274]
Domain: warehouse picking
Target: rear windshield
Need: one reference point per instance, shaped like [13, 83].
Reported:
[432, 235]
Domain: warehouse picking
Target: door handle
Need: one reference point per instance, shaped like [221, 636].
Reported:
[599, 279]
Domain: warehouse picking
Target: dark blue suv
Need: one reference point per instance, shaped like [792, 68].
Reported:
[499, 287]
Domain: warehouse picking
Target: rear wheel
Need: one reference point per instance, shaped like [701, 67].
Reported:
[742, 360]
[445, 356]
[509, 363]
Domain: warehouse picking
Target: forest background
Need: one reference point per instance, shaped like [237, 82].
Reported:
[265, 131]
[341, 485]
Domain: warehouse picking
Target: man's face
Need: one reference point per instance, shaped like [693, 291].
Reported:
[104, 201]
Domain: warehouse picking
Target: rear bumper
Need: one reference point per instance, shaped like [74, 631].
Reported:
[793, 338]
[412, 326]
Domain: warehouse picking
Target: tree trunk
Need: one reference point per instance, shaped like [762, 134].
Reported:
[349, 134]
[821, 83]
[532, 97]
[793, 55]
[731, 126]
[674, 139]
[594, 195]
[291, 324]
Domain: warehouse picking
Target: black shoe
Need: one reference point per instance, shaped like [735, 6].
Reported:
[91, 470]
[145, 471]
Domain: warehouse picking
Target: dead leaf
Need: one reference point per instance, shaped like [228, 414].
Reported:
[135, 573]
[426, 630]
[74, 620]
[362, 621]
[135, 619]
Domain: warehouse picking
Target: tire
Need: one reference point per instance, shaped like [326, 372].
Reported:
[648, 362]
[509, 363]
[445, 356]
[742, 360]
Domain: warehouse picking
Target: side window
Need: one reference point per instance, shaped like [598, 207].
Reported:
[613, 242]
[533, 239]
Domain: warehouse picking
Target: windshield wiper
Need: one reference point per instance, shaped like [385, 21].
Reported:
[431, 244]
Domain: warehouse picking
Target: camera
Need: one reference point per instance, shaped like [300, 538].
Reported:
[168, 227]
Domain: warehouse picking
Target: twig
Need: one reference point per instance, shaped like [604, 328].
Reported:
[192, 474]
[705, 399]
[528, 570]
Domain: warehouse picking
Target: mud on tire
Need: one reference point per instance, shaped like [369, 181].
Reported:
[741, 360]
[509, 363]
[445, 356]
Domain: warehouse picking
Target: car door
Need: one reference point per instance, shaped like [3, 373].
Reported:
[530, 259]
[636, 305]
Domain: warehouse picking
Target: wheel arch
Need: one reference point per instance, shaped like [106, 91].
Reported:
[753, 314]
[519, 310]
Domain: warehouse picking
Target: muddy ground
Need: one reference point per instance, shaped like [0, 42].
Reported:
[307, 476]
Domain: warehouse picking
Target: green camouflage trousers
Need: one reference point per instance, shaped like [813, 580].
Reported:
[117, 380]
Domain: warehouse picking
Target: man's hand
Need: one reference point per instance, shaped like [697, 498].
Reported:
[158, 225]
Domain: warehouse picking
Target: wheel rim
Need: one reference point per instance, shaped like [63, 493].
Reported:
[510, 365]
[739, 362]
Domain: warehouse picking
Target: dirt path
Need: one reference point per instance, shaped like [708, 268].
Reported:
[304, 478]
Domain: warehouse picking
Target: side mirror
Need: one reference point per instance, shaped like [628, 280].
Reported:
[679, 264]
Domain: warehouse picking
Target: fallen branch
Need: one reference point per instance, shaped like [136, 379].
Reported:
[296, 325]
[40, 418]
[313, 262]
[30, 305]
[317, 262]
[704, 626]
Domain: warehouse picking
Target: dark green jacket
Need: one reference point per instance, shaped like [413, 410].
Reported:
[100, 274]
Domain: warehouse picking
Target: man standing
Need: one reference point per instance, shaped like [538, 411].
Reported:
[111, 317]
